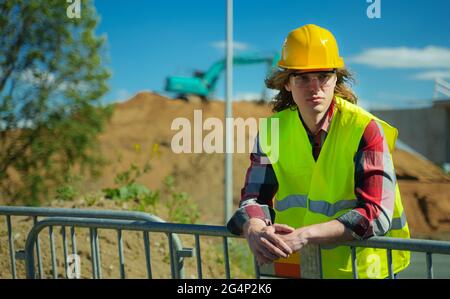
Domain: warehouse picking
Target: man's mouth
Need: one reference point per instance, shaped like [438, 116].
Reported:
[315, 99]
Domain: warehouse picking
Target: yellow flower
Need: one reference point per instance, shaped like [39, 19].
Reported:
[155, 150]
[137, 148]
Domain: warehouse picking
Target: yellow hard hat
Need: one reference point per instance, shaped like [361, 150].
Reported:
[310, 47]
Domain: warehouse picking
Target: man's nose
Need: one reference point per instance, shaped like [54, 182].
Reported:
[314, 84]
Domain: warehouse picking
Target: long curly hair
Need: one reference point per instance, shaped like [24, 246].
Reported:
[283, 100]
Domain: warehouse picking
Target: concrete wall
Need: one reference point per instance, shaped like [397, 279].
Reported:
[426, 130]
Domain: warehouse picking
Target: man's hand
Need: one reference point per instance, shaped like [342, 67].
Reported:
[322, 233]
[265, 241]
[296, 239]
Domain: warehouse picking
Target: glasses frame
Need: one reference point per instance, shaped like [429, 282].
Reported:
[322, 84]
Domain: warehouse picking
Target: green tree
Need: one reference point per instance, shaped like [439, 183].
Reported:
[51, 81]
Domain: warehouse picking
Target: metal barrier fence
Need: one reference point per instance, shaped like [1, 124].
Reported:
[144, 226]
[427, 246]
[35, 212]
[136, 221]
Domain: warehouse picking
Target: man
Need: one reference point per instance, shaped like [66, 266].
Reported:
[333, 178]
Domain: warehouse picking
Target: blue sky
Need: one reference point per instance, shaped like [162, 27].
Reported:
[394, 58]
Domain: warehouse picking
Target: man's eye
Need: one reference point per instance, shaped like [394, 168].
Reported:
[323, 77]
[304, 78]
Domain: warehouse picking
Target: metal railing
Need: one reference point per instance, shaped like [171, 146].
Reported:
[144, 226]
[429, 247]
[117, 221]
[35, 212]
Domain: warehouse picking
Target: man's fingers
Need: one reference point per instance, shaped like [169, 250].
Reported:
[283, 228]
[261, 252]
[273, 249]
[268, 253]
[268, 246]
[275, 240]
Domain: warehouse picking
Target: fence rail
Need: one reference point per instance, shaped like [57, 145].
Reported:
[131, 225]
[429, 247]
[35, 212]
[136, 221]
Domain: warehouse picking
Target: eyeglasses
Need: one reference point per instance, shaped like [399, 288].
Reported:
[304, 79]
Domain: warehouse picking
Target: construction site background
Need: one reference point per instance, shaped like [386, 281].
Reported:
[140, 132]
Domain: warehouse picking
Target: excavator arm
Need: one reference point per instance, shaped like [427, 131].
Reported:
[204, 84]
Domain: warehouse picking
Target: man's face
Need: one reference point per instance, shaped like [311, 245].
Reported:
[312, 90]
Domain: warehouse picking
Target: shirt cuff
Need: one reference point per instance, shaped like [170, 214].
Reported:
[243, 214]
[358, 225]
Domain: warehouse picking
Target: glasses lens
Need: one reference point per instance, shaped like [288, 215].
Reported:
[303, 79]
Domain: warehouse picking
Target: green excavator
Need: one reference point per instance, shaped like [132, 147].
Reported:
[203, 84]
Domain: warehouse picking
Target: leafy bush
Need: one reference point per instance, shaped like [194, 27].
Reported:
[127, 192]
[127, 189]
[180, 207]
[129, 176]
[66, 192]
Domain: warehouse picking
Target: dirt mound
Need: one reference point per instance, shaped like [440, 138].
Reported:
[425, 192]
[410, 167]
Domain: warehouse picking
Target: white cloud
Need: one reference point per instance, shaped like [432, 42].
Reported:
[404, 57]
[431, 75]
[238, 46]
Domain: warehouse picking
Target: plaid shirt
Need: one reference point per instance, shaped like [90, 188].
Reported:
[374, 184]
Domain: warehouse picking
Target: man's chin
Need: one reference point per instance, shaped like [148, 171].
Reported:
[318, 108]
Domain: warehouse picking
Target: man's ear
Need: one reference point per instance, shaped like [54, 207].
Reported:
[287, 87]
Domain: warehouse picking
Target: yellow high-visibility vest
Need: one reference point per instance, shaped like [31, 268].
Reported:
[311, 192]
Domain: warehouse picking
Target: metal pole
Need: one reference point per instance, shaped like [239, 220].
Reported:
[148, 258]
[53, 254]
[198, 255]
[12, 251]
[430, 274]
[226, 257]
[121, 259]
[229, 115]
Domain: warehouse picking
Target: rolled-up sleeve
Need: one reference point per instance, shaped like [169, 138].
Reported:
[375, 182]
[257, 194]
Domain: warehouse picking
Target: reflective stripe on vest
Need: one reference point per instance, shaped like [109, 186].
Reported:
[326, 208]
[291, 201]
[400, 222]
[316, 206]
